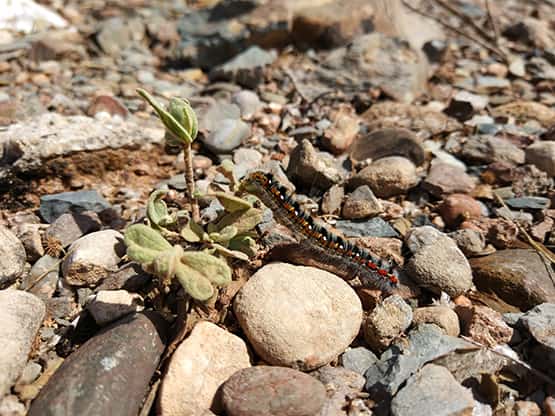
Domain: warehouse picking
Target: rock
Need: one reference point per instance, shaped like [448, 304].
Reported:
[464, 104]
[30, 237]
[361, 203]
[92, 257]
[267, 308]
[70, 226]
[341, 386]
[246, 160]
[331, 24]
[130, 277]
[542, 155]
[457, 208]
[375, 227]
[489, 149]
[248, 102]
[540, 323]
[229, 135]
[109, 305]
[271, 391]
[424, 121]
[116, 34]
[12, 258]
[524, 111]
[21, 314]
[526, 408]
[107, 104]
[518, 277]
[332, 200]
[484, 325]
[106, 375]
[246, 69]
[30, 373]
[489, 84]
[42, 280]
[385, 142]
[53, 206]
[27, 144]
[442, 316]
[388, 176]
[445, 179]
[206, 366]
[528, 202]
[343, 130]
[471, 242]
[437, 263]
[386, 322]
[432, 390]
[312, 169]
[387, 62]
[468, 364]
[425, 343]
[358, 359]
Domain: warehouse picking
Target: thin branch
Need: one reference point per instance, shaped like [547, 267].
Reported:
[466, 19]
[295, 84]
[494, 27]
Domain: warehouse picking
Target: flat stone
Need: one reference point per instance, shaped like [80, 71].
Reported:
[388, 176]
[246, 68]
[130, 277]
[109, 305]
[484, 325]
[267, 308]
[386, 322]
[361, 203]
[437, 264]
[12, 258]
[105, 375]
[542, 155]
[432, 390]
[92, 257]
[54, 205]
[517, 276]
[27, 144]
[540, 322]
[468, 364]
[272, 391]
[205, 366]
[445, 179]
[386, 142]
[70, 226]
[471, 242]
[442, 316]
[489, 149]
[457, 208]
[30, 237]
[230, 134]
[528, 202]
[21, 314]
[374, 227]
[248, 102]
[342, 386]
[425, 343]
[358, 359]
[524, 111]
[42, 279]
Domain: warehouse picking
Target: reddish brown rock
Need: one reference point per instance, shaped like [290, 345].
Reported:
[107, 104]
[459, 207]
[484, 325]
[444, 179]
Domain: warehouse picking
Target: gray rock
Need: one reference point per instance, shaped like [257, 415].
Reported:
[469, 364]
[206, 366]
[528, 202]
[92, 257]
[426, 343]
[542, 154]
[444, 179]
[109, 305]
[361, 203]
[30, 237]
[272, 391]
[246, 160]
[53, 206]
[12, 256]
[374, 227]
[309, 168]
[130, 277]
[442, 316]
[540, 322]
[248, 102]
[388, 176]
[11, 406]
[358, 359]
[433, 390]
[106, 376]
[471, 242]
[116, 34]
[42, 280]
[488, 149]
[230, 134]
[267, 308]
[214, 115]
[437, 264]
[30, 373]
[246, 69]
[387, 321]
[332, 200]
[389, 141]
[26, 145]
[21, 314]
[70, 226]
[488, 84]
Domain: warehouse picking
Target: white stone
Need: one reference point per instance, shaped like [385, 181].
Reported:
[12, 256]
[198, 367]
[296, 316]
[92, 257]
[109, 305]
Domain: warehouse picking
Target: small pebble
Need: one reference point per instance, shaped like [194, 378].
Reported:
[386, 322]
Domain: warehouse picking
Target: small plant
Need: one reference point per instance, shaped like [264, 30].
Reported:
[196, 256]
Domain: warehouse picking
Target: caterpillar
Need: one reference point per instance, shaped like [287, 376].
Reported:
[348, 259]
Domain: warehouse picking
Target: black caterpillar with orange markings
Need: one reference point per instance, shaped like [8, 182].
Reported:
[351, 260]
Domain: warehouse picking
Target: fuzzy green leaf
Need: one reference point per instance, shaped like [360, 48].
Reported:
[193, 232]
[211, 267]
[231, 203]
[224, 235]
[182, 111]
[230, 253]
[244, 221]
[194, 283]
[243, 243]
[144, 244]
[157, 210]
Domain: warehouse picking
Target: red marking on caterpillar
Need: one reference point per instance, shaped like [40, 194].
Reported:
[348, 259]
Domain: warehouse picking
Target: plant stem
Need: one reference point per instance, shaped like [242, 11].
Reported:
[190, 181]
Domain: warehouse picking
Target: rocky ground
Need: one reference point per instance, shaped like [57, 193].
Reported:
[422, 130]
